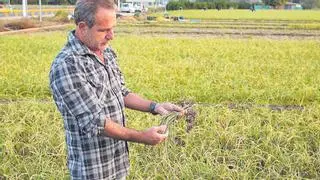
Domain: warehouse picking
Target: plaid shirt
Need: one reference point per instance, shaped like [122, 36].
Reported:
[87, 92]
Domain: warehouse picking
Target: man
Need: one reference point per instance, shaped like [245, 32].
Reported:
[89, 91]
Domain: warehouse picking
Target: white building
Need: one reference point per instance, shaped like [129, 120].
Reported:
[147, 3]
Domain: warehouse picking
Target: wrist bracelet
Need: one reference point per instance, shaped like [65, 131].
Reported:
[152, 108]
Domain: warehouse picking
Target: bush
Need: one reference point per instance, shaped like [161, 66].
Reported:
[201, 5]
[155, 10]
[310, 4]
[61, 16]
[160, 19]
[244, 5]
[174, 5]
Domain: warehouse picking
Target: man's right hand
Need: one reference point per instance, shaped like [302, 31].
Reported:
[151, 136]
[154, 135]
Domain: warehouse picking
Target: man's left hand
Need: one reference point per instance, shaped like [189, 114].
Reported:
[166, 108]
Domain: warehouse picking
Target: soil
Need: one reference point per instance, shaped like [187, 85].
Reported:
[190, 114]
[178, 141]
[19, 24]
[218, 32]
[15, 101]
[129, 25]
[188, 105]
[272, 107]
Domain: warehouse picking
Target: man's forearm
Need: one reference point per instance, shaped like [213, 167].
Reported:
[151, 136]
[134, 101]
[117, 131]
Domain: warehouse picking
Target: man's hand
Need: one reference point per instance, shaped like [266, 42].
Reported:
[154, 135]
[151, 136]
[166, 108]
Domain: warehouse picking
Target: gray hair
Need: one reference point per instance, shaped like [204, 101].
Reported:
[85, 10]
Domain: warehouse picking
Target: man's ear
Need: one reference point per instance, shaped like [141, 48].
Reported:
[82, 26]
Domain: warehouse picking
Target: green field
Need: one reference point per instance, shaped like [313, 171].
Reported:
[311, 15]
[247, 70]
[261, 119]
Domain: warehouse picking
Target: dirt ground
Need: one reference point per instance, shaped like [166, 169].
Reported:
[212, 32]
[130, 25]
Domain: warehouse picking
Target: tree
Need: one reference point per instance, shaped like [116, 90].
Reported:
[274, 3]
[175, 5]
[310, 4]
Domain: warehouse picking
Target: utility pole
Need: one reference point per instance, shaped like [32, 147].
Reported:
[24, 8]
[40, 11]
[10, 7]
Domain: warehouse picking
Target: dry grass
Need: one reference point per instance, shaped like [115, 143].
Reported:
[1, 26]
[128, 19]
[61, 17]
[17, 24]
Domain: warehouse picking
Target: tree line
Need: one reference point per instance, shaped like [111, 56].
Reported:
[226, 4]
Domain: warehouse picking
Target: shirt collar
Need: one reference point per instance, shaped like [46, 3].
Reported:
[76, 45]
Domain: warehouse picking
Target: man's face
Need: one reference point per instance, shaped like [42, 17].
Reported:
[97, 37]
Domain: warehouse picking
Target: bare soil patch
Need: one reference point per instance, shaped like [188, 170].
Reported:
[212, 32]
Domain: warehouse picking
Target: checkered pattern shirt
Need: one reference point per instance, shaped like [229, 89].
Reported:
[87, 92]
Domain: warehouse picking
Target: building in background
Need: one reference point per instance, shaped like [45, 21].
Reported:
[147, 3]
[292, 6]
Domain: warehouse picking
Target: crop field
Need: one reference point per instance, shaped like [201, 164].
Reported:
[273, 24]
[256, 98]
[247, 14]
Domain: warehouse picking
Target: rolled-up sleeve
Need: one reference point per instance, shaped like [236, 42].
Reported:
[70, 86]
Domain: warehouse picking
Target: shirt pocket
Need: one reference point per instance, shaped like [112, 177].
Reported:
[97, 79]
